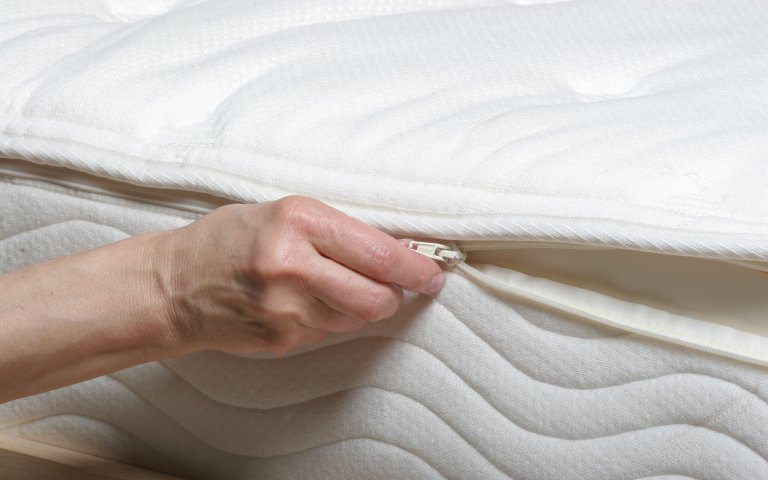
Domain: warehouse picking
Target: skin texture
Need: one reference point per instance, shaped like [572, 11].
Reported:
[241, 279]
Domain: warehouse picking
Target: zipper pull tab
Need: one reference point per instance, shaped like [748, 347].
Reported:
[449, 254]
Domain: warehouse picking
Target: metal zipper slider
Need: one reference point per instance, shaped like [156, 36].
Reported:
[450, 254]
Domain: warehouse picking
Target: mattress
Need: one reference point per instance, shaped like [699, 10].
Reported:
[601, 163]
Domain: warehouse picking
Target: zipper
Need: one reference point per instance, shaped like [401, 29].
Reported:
[448, 254]
[590, 305]
[453, 254]
[460, 249]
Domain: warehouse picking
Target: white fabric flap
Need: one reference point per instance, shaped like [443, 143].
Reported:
[637, 124]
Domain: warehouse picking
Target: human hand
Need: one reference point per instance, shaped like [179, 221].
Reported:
[276, 275]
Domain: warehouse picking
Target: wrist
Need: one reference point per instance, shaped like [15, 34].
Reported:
[152, 268]
[83, 315]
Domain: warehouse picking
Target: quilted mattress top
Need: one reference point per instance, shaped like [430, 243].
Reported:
[636, 124]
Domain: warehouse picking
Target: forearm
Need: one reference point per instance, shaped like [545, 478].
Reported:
[81, 316]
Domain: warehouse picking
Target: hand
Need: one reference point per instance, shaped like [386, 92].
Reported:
[277, 275]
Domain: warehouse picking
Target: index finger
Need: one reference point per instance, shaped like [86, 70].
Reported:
[374, 254]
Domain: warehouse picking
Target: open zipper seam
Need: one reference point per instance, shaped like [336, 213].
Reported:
[693, 342]
[718, 252]
[452, 255]
[698, 343]
[483, 245]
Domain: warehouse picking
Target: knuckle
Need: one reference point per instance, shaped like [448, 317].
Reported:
[424, 277]
[283, 341]
[312, 336]
[397, 302]
[283, 265]
[356, 324]
[381, 259]
[296, 211]
[305, 318]
[349, 324]
[295, 273]
[259, 332]
[384, 303]
[306, 276]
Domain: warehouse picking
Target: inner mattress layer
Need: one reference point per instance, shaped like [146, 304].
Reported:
[709, 290]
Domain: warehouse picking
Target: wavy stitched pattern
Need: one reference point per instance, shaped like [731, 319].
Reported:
[448, 387]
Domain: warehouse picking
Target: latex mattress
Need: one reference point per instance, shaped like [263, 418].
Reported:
[601, 163]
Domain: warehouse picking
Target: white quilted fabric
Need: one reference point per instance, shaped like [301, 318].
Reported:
[494, 387]
[640, 125]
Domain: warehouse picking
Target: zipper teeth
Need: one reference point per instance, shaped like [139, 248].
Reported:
[179, 200]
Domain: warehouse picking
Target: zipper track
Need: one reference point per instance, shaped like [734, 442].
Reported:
[482, 245]
[198, 204]
[661, 329]
[495, 284]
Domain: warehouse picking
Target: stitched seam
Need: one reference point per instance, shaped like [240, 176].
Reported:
[239, 150]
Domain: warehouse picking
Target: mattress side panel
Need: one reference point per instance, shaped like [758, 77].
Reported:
[471, 384]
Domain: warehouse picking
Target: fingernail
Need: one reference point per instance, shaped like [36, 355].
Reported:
[405, 242]
[436, 283]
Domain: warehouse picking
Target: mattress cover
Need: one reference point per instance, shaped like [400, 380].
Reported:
[582, 124]
[590, 121]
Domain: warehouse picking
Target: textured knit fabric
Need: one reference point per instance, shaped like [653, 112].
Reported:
[608, 123]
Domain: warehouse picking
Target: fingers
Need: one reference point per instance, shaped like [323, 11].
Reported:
[295, 270]
[294, 336]
[374, 253]
[311, 335]
[321, 317]
[317, 321]
[314, 325]
[358, 298]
